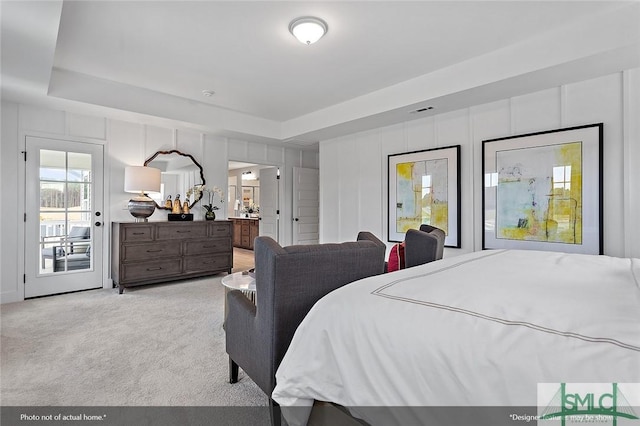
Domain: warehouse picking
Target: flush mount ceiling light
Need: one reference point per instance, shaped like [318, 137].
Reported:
[308, 29]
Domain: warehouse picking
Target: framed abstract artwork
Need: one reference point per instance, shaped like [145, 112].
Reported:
[543, 191]
[424, 188]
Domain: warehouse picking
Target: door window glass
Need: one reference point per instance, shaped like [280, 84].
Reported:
[65, 211]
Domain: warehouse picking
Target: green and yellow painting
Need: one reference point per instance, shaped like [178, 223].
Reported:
[539, 194]
[422, 194]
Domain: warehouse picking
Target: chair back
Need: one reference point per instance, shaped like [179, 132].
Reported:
[289, 281]
[439, 234]
[423, 246]
[79, 233]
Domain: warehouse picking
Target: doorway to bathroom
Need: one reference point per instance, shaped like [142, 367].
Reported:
[254, 196]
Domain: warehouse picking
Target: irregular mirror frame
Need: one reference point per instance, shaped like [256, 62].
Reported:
[180, 172]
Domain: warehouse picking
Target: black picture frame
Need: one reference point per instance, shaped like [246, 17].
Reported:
[439, 192]
[543, 190]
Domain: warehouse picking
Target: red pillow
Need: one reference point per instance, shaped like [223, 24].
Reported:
[396, 258]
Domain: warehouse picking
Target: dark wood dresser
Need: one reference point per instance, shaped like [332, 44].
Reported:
[152, 252]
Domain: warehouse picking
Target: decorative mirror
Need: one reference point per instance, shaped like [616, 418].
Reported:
[179, 173]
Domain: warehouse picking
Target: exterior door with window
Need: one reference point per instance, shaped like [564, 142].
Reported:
[63, 220]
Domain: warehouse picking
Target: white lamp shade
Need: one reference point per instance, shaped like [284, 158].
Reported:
[141, 179]
[308, 30]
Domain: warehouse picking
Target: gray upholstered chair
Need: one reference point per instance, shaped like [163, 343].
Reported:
[423, 246]
[289, 281]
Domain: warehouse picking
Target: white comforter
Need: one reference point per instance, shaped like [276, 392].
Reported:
[480, 329]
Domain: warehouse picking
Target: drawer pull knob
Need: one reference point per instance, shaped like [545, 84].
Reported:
[138, 233]
[154, 251]
[183, 232]
[154, 269]
[213, 246]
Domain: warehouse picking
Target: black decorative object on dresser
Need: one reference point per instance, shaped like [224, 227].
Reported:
[154, 252]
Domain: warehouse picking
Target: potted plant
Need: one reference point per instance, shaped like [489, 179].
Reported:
[209, 196]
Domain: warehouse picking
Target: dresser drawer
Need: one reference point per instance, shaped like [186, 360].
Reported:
[137, 233]
[246, 241]
[141, 271]
[205, 263]
[182, 231]
[211, 245]
[149, 251]
[219, 229]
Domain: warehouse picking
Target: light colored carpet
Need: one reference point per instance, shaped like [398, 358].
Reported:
[160, 345]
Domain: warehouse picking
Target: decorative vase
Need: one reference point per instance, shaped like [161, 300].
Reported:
[210, 215]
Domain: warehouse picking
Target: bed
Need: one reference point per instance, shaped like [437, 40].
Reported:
[483, 329]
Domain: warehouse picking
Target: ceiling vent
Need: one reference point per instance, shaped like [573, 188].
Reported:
[419, 110]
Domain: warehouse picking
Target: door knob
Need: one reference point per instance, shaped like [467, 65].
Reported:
[98, 223]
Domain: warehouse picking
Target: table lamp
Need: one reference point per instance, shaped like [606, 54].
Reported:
[141, 179]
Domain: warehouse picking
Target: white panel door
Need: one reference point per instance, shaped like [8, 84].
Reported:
[63, 221]
[269, 202]
[306, 196]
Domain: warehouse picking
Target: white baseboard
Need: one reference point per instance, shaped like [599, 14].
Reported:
[10, 297]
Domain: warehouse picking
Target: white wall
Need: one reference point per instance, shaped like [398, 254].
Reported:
[353, 168]
[126, 143]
